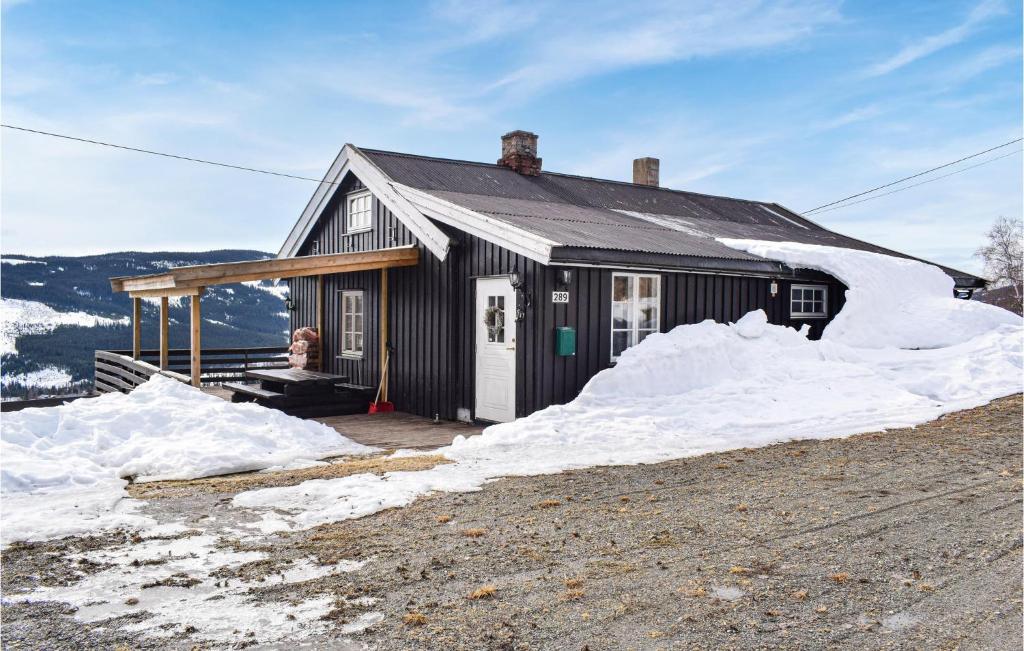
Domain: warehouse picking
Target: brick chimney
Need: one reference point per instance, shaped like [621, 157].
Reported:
[645, 171]
[519, 152]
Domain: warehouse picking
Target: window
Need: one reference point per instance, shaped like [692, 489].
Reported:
[808, 302]
[636, 307]
[352, 323]
[494, 319]
[359, 211]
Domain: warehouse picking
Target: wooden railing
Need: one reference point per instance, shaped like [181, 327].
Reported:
[117, 371]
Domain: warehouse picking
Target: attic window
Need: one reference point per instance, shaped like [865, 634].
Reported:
[808, 302]
[359, 211]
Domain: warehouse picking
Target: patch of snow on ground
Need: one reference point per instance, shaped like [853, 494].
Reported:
[136, 582]
[172, 301]
[20, 317]
[710, 387]
[278, 288]
[51, 376]
[64, 468]
[17, 261]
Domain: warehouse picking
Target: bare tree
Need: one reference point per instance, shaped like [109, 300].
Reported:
[1004, 255]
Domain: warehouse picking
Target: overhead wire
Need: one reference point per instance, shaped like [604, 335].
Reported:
[912, 176]
[152, 152]
[914, 185]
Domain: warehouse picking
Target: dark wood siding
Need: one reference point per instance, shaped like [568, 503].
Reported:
[432, 314]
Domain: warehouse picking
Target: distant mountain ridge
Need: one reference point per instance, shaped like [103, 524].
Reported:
[56, 310]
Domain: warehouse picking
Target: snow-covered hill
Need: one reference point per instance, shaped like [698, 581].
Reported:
[54, 311]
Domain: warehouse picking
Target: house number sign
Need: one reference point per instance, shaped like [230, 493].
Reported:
[559, 297]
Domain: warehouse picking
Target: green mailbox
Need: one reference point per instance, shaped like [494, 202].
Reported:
[565, 341]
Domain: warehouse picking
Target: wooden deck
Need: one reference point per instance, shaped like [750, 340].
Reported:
[399, 430]
[388, 430]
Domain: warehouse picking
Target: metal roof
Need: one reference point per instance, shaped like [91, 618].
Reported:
[586, 213]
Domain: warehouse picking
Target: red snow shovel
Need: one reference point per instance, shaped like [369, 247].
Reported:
[379, 406]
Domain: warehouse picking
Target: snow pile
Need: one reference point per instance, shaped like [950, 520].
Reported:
[19, 317]
[63, 467]
[891, 302]
[711, 387]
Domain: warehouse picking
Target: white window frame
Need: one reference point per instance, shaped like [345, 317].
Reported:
[809, 315]
[350, 225]
[351, 352]
[634, 330]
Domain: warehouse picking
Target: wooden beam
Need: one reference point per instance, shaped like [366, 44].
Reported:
[136, 328]
[320, 320]
[164, 332]
[195, 345]
[156, 293]
[233, 272]
[384, 334]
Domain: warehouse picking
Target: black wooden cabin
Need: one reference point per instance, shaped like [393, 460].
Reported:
[530, 282]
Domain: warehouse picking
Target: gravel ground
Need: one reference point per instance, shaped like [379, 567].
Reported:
[905, 539]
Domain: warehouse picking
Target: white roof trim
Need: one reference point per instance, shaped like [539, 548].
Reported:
[493, 230]
[350, 159]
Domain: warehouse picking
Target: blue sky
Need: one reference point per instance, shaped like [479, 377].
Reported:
[795, 102]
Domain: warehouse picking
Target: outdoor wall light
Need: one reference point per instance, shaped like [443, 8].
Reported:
[774, 288]
[563, 278]
[289, 304]
[516, 279]
[523, 298]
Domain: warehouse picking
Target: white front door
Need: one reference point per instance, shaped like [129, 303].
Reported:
[495, 349]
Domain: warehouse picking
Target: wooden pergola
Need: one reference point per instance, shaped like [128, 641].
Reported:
[192, 280]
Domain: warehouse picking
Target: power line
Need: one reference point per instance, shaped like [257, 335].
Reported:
[912, 176]
[914, 185]
[818, 209]
[165, 155]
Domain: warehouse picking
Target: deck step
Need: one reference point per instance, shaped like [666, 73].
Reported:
[251, 390]
[358, 388]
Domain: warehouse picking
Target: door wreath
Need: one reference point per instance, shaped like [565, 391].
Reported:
[494, 319]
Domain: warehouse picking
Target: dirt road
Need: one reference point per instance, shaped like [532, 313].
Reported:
[904, 539]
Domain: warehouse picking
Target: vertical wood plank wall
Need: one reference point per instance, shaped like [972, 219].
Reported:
[432, 308]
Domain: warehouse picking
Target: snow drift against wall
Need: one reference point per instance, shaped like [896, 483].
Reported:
[891, 302]
[710, 387]
[64, 468]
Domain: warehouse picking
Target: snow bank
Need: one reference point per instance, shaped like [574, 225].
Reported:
[63, 467]
[891, 302]
[711, 387]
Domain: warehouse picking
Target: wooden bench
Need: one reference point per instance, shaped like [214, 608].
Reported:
[250, 390]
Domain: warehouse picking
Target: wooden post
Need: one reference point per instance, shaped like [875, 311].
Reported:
[384, 332]
[136, 328]
[196, 350]
[164, 332]
[320, 321]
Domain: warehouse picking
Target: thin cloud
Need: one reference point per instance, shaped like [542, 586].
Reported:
[929, 45]
[570, 48]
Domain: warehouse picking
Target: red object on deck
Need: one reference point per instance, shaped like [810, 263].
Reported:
[381, 406]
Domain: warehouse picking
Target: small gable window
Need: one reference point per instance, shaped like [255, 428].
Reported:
[352, 323]
[808, 302]
[360, 206]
